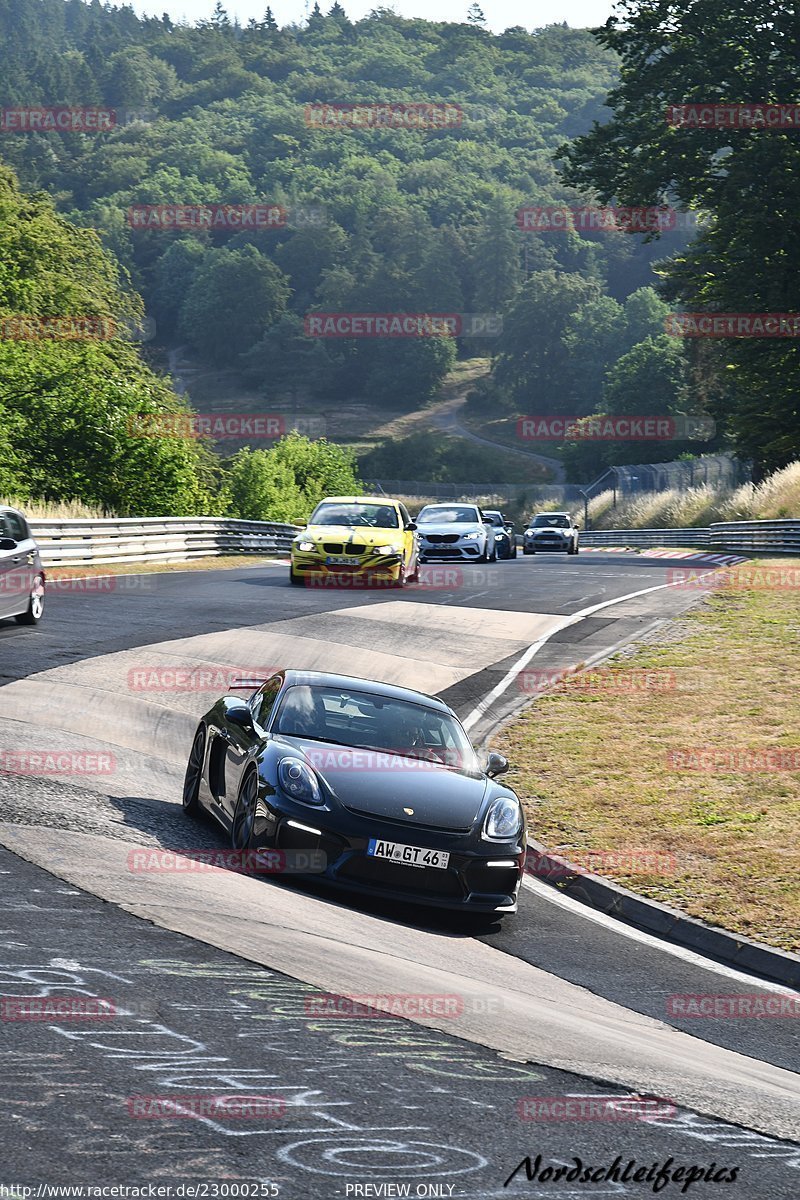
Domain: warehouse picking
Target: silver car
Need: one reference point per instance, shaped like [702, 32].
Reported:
[551, 531]
[21, 571]
[457, 531]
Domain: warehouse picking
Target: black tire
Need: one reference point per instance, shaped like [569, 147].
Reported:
[297, 580]
[402, 578]
[525, 550]
[194, 774]
[245, 814]
[414, 578]
[35, 610]
[494, 555]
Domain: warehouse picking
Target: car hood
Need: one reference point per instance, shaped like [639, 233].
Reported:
[383, 785]
[345, 533]
[449, 527]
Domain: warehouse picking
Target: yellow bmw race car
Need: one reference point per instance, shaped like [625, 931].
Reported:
[356, 540]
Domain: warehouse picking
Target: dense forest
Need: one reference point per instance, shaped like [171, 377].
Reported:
[375, 217]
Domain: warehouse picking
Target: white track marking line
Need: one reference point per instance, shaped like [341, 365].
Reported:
[553, 896]
[498, 690]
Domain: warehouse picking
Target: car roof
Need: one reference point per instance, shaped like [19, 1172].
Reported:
[355, 683]
[551, 514]
[358, 500]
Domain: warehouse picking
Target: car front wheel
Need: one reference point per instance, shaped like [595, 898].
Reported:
[194, 774]
[244, 815]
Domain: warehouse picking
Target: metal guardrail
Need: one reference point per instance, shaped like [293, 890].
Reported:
[79, 542]
[83, 541]
[754, 537]
[782, 537]
[646, 537]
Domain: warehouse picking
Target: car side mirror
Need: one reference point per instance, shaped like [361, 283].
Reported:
[496, 764]
[240, 715]
[411, 527]
[7, 544]
[577, 524]
[487, 521]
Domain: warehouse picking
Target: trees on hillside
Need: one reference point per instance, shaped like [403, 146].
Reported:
[739, 169]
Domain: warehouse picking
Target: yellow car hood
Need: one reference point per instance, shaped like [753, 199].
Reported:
[344, 534]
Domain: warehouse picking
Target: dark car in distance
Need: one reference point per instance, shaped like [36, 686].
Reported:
[380, 781]
[505, 538]
[22, 577]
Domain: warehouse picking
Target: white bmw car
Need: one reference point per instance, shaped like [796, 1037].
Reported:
[455, 531]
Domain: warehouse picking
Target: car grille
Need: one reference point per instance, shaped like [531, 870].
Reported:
[441, 538]
[417, 881]
[333, 548]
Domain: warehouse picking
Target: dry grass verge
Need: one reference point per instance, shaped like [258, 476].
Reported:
[595, 762]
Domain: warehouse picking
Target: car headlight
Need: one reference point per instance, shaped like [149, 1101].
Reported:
[388, 549]
[528, 533]
[503, 820]
[299, 781]
[305, 545]
[471, 537]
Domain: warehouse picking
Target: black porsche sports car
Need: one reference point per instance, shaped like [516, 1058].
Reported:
[382, 780]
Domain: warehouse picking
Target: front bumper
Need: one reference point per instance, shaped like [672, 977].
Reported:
[548, 543]
[367, 567]
[467, 884]
[461, 550]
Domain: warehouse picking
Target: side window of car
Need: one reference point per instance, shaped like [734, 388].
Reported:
[15, 527]
[265, 701]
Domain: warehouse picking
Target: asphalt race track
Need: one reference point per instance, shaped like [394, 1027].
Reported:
[213, 973]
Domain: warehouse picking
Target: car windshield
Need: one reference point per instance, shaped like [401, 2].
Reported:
[434, 514]
[365, 721]
[369, 516]
[495, 517]
[551, 521]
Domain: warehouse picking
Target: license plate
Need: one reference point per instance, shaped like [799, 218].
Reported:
[409, 856]
[342, 560]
